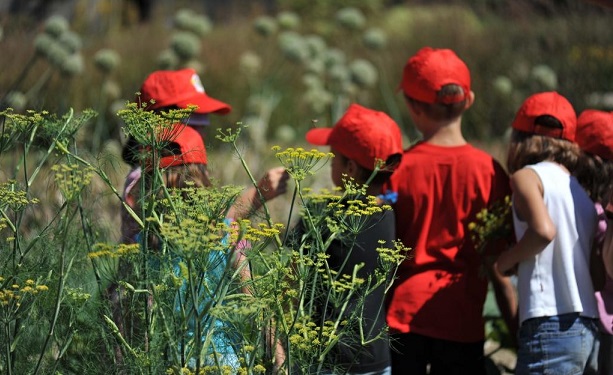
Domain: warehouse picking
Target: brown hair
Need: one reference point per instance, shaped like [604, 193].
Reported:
[526, 149]
[179, 176]
[176, 177]
[596, 177]
[440, 111]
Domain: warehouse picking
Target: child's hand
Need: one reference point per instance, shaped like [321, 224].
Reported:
[505, 264]
[274, 183]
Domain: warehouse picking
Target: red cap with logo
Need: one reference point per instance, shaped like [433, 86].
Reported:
[191, 147]
[179, 88]
[548, 103]
[362, 134]
[426, 72]
[595, 133]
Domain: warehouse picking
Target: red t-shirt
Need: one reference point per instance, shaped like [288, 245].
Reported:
[440, 291]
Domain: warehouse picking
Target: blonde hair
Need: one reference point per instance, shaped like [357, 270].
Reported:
[440, 111]
[526, 149]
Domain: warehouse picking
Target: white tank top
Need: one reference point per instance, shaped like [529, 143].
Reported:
[557, 280]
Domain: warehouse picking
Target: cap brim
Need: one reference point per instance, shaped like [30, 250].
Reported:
[318, 136]
[206, 104]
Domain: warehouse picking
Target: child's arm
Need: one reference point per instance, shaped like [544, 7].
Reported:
[597, 264]
[607, 246]
[506, 299]
[530, 207]
[271, 185]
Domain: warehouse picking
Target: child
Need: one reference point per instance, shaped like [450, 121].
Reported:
[436, 307]
[555, 222]
[360, 138]
[164, 90]
[595, 138]
[183, 164]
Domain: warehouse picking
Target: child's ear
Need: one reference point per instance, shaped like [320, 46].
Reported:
[352, 168]
[469, 100]
[414, 107]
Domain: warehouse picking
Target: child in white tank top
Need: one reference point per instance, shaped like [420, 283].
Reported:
[555, 221]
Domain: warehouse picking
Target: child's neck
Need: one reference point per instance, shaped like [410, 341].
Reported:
[561, 166]
[444, 134]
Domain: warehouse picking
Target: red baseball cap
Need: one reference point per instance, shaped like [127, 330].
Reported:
[191, 147]
[362, 135]
[179, 88]
[547, 103]
[426, 72]
[595, 133]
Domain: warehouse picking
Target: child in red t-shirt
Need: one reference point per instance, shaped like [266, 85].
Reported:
[435, 311]
[358, 139]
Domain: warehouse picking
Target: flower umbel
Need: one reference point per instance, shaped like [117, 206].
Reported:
[11, 196]
[301, 163]
[492, 224]
[72, 178]
[146, 126]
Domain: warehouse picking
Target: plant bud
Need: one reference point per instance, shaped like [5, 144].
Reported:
[250, 63]
[16, 100]
[375, 39]
[71, 41]
[56, 26]
[167, 60]
[288, 20]
[351, 18]
[106, 60]
[185, 44]
[72, 65]
[265, 25]
[363, 73]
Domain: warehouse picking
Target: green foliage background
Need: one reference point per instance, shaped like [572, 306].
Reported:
[513, 48]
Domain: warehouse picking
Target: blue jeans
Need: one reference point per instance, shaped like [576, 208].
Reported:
[562, 344]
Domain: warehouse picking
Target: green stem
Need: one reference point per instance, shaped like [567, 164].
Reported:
[255, 184]
[88, 235]
[49, 149]
[291, 210]
[7, 347]
[121, 339]
[9, 222]
[58, 300]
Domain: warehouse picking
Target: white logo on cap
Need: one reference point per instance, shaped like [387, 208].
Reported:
[197, 83]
